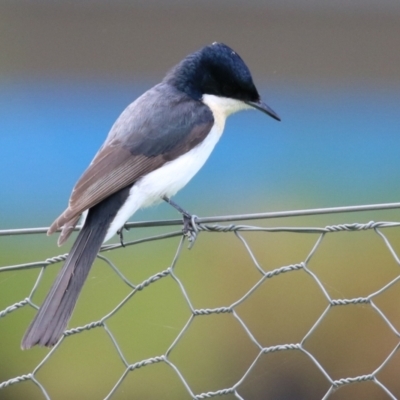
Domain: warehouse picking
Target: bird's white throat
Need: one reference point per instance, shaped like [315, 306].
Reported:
[222, 107]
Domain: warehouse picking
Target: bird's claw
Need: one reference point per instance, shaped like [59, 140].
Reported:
[189, 229]
[120, 233]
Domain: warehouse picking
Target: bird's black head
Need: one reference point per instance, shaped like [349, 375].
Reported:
[217, 70]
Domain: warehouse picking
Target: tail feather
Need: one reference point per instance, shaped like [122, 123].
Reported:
[53, 316]
[67, 229]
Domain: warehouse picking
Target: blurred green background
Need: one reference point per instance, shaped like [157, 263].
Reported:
[331, 71]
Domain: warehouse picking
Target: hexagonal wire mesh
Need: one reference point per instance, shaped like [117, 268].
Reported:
[307, 346]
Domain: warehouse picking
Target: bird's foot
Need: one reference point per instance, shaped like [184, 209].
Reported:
[120, 233]
[189, 222]
[189, 229]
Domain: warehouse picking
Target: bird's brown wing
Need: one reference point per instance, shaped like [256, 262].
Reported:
[113, 168]
[139, 142]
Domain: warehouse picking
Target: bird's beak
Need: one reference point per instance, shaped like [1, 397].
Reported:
[260, 105]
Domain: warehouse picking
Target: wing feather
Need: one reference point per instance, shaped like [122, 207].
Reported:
[136, 146]
[114, 169]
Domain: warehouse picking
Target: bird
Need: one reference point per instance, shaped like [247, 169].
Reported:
[155, 147]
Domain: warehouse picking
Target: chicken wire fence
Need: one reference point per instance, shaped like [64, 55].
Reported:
[222, 226]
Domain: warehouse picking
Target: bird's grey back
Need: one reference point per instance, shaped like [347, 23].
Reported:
[156, 122]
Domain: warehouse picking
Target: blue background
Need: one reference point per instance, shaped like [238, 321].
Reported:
[332, 148]
[331, 71]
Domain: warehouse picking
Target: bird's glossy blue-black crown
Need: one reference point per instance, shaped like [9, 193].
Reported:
[215, 69]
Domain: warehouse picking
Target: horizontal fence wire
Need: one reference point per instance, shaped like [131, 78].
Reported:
[215, 225]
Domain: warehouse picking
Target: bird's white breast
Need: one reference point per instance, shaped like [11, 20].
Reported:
[167, 180]
[174, 175]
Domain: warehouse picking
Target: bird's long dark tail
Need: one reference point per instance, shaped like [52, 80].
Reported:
[51, 320]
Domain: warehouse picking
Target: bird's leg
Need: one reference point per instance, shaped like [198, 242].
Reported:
[177, 207]
[120, 233]
[189, 229]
